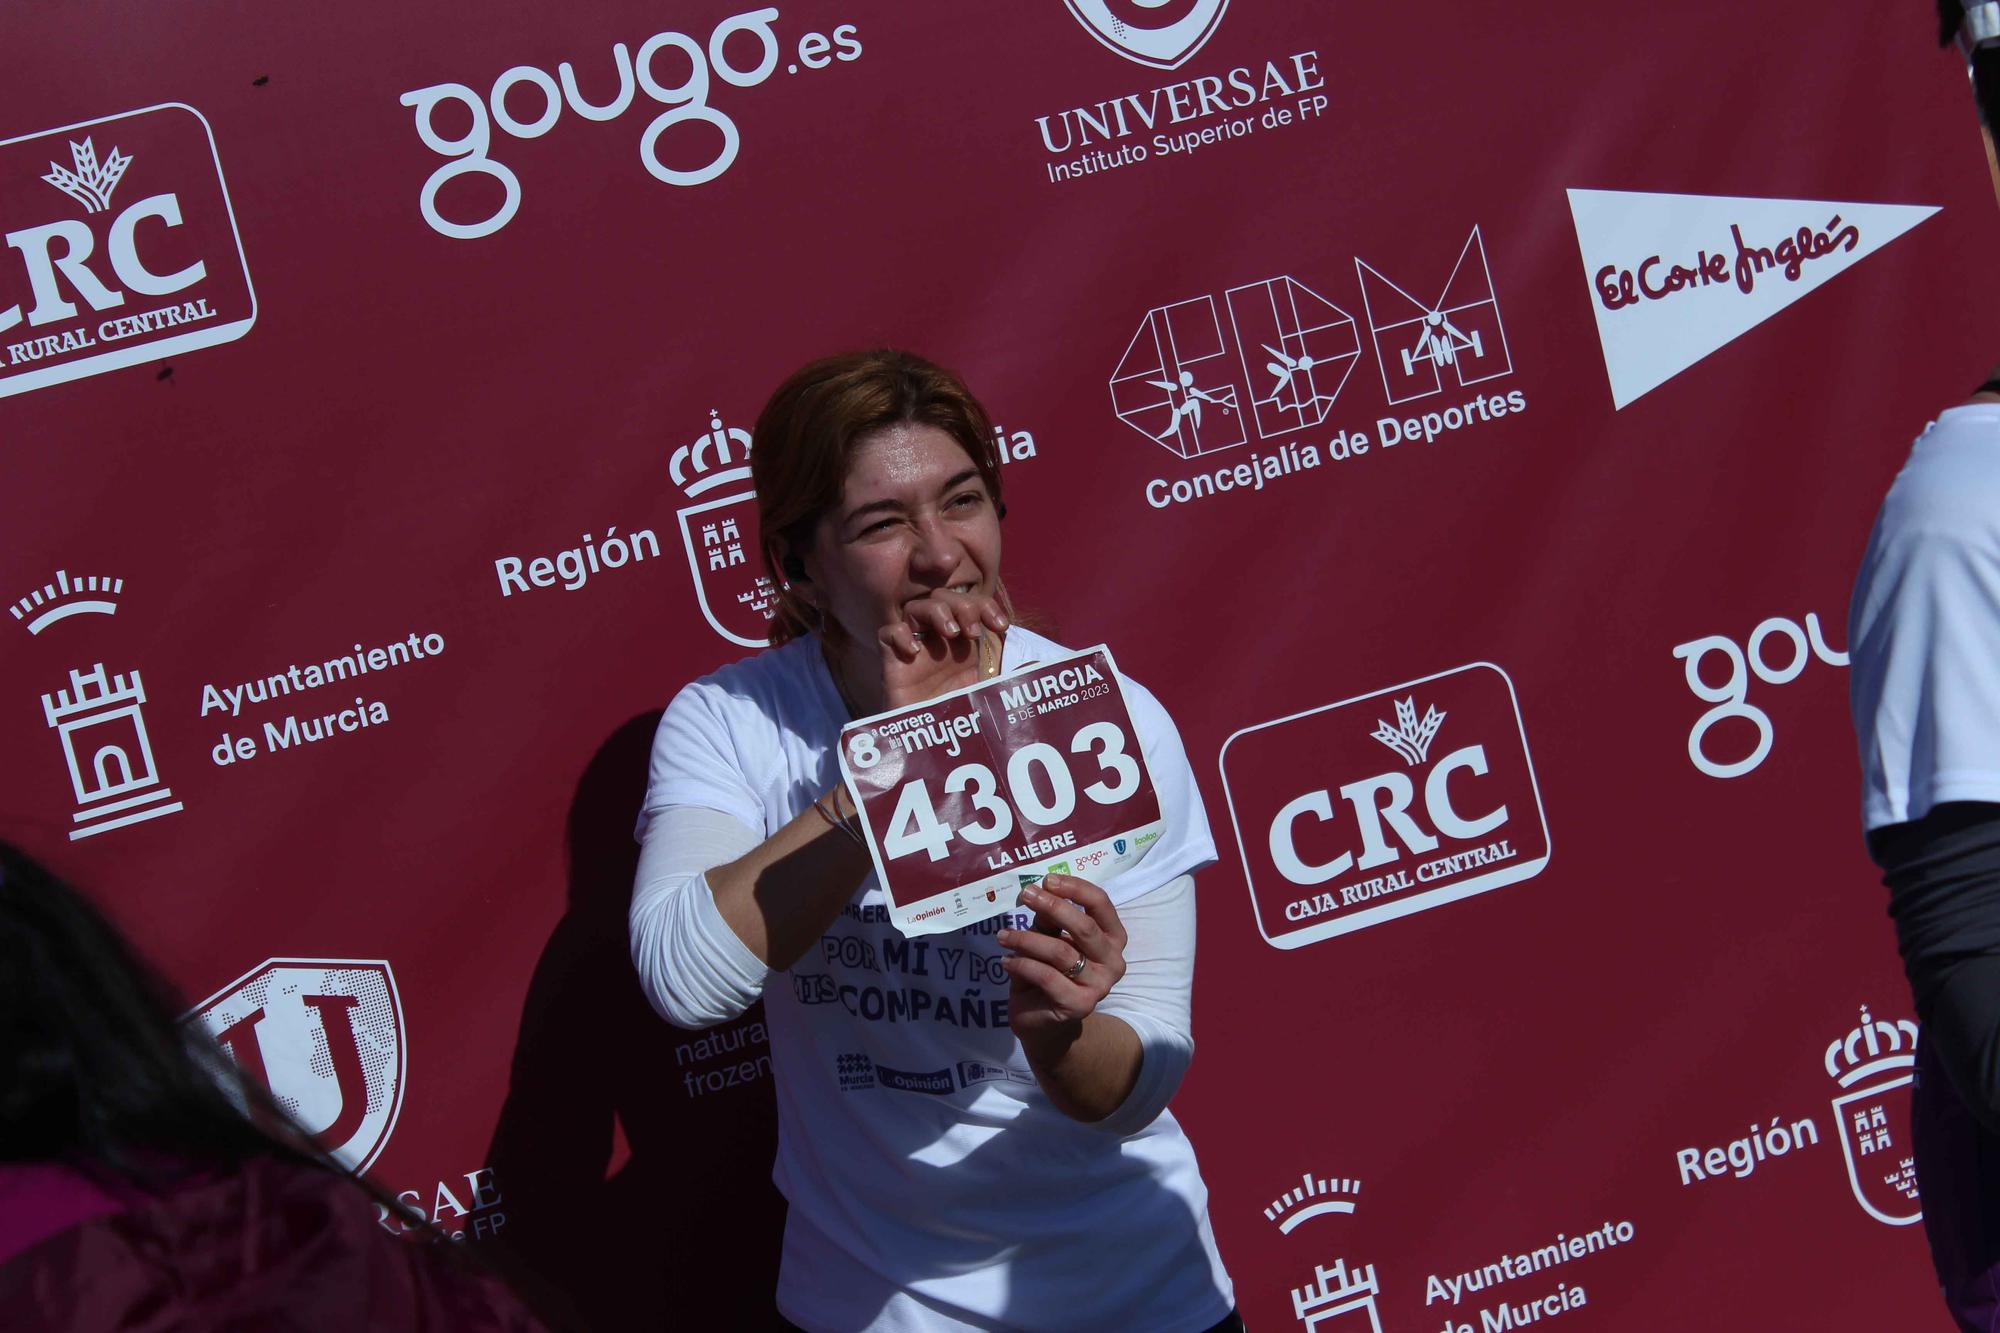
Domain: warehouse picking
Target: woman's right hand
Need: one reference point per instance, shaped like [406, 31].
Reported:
[936, 647]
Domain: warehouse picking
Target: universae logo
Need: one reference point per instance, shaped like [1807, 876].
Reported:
[325, 1035]
[146, 264]
[1160, 33]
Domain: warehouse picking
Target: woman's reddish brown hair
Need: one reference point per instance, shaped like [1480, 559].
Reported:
[805, 436]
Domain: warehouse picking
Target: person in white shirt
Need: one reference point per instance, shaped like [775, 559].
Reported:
[1924, 642]
[973, 1130]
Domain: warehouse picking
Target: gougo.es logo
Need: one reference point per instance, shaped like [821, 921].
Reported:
[1762, 656]
[744, 62]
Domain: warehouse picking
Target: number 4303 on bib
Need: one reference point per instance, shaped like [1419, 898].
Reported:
[967, 797]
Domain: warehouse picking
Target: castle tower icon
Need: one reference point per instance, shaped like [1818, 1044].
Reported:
[1338, 1301]
[110, 756]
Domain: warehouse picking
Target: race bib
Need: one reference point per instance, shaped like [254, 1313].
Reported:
[969, 797]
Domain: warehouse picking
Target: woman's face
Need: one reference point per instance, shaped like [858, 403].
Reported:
[913, 518]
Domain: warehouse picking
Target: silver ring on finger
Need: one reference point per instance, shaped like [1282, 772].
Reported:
[1076, 968]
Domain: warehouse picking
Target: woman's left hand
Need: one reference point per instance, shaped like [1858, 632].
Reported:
[1074, 922]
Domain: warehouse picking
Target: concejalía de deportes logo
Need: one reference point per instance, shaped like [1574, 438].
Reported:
[1269, 361]
[676, 71]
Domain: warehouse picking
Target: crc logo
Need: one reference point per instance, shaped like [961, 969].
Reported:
[325, 1035]
[121, 247]
[1731, 698]
[1415, 796]
[1160, 33]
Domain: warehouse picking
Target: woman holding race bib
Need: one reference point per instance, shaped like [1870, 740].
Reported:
[972, 1126]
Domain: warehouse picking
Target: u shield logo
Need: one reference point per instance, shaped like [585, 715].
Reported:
[326, 1037]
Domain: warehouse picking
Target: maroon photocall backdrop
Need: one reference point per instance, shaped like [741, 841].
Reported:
[1437, 410]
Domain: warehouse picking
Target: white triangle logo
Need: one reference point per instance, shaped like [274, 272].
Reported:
[1674, 277]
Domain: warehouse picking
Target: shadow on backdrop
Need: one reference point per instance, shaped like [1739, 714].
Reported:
[686, 1230]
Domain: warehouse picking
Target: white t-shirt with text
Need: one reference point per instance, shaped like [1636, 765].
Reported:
[932, 1184]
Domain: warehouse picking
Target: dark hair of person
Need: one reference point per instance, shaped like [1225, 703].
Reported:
[100, 1072]
[96, 1070]
[1951, 13]
[805, 437]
